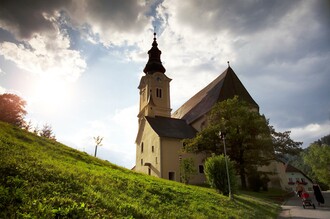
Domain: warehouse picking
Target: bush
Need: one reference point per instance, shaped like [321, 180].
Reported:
[188, 170]
[216, 174]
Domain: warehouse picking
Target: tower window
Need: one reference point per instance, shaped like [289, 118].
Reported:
[152, 148]
[142, 147]
[141, 162]
[158, 92]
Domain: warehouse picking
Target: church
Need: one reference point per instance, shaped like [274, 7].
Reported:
[160, 133]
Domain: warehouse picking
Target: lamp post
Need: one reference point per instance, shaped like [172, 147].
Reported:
[222, 136]
[180, 167]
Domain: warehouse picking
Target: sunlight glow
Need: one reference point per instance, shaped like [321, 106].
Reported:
[51, 93]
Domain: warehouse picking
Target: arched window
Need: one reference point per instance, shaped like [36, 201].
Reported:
[142, 147]
[159, 92]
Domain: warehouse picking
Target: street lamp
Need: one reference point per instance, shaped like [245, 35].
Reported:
[180, 167]
[222, 136]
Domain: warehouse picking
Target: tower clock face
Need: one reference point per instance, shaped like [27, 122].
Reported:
[159, 79]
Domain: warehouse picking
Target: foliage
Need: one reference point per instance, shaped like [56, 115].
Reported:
[27, 125]
[317, 156]
[323, 140]
[47, 132]
[187, 169]
[40, 178]
[216, 174]
[283, 144]
[298, 162]
[12, 109]
[247, 136]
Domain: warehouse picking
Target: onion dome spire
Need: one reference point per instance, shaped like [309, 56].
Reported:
[154, 63]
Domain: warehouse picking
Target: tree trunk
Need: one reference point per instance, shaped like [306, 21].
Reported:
[242, 168]
[95, 151]
[242, 175]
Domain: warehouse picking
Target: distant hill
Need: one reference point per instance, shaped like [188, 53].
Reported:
[40, 178]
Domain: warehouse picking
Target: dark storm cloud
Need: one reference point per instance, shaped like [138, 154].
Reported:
[23, 18]
[267, 31]
[26, 17]
[279, 49]
[122, 15]
[239, 17]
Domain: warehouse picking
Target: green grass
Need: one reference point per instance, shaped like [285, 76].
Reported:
[40, 178]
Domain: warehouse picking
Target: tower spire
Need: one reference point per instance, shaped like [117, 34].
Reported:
[154, 63]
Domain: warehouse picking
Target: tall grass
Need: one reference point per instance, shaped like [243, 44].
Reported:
[40, 178]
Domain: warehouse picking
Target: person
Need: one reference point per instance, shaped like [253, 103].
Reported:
[299, 189]
[318, 194]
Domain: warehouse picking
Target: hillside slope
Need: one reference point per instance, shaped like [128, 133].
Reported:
[40, 178]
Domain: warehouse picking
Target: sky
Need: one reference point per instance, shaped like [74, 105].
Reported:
[78, 63]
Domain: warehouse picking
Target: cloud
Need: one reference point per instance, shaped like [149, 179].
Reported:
[2, 72]
[113, 22]
[239, 19]
[25, 19]
[43, 32]
[43, 55]
[311, 132]
[278, 49]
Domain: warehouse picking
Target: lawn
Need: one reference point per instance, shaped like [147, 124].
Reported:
[40, 178]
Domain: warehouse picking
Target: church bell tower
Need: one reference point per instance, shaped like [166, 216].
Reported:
[154, 86]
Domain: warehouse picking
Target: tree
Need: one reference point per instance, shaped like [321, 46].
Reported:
[12, 109]
[283, 144]
[216, 174]
[323, 140]
[36, 130]
[249, 138]
[47, 132]
[187, 169]
[27, 125]
[317, 157]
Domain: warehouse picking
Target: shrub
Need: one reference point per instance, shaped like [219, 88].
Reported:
[216, 174]
[187, 169]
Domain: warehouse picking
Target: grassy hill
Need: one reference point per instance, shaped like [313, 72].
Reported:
[40, 178]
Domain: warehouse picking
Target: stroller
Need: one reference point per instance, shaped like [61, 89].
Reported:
[306, 200]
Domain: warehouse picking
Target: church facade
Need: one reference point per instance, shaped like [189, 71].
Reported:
[160, 134]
